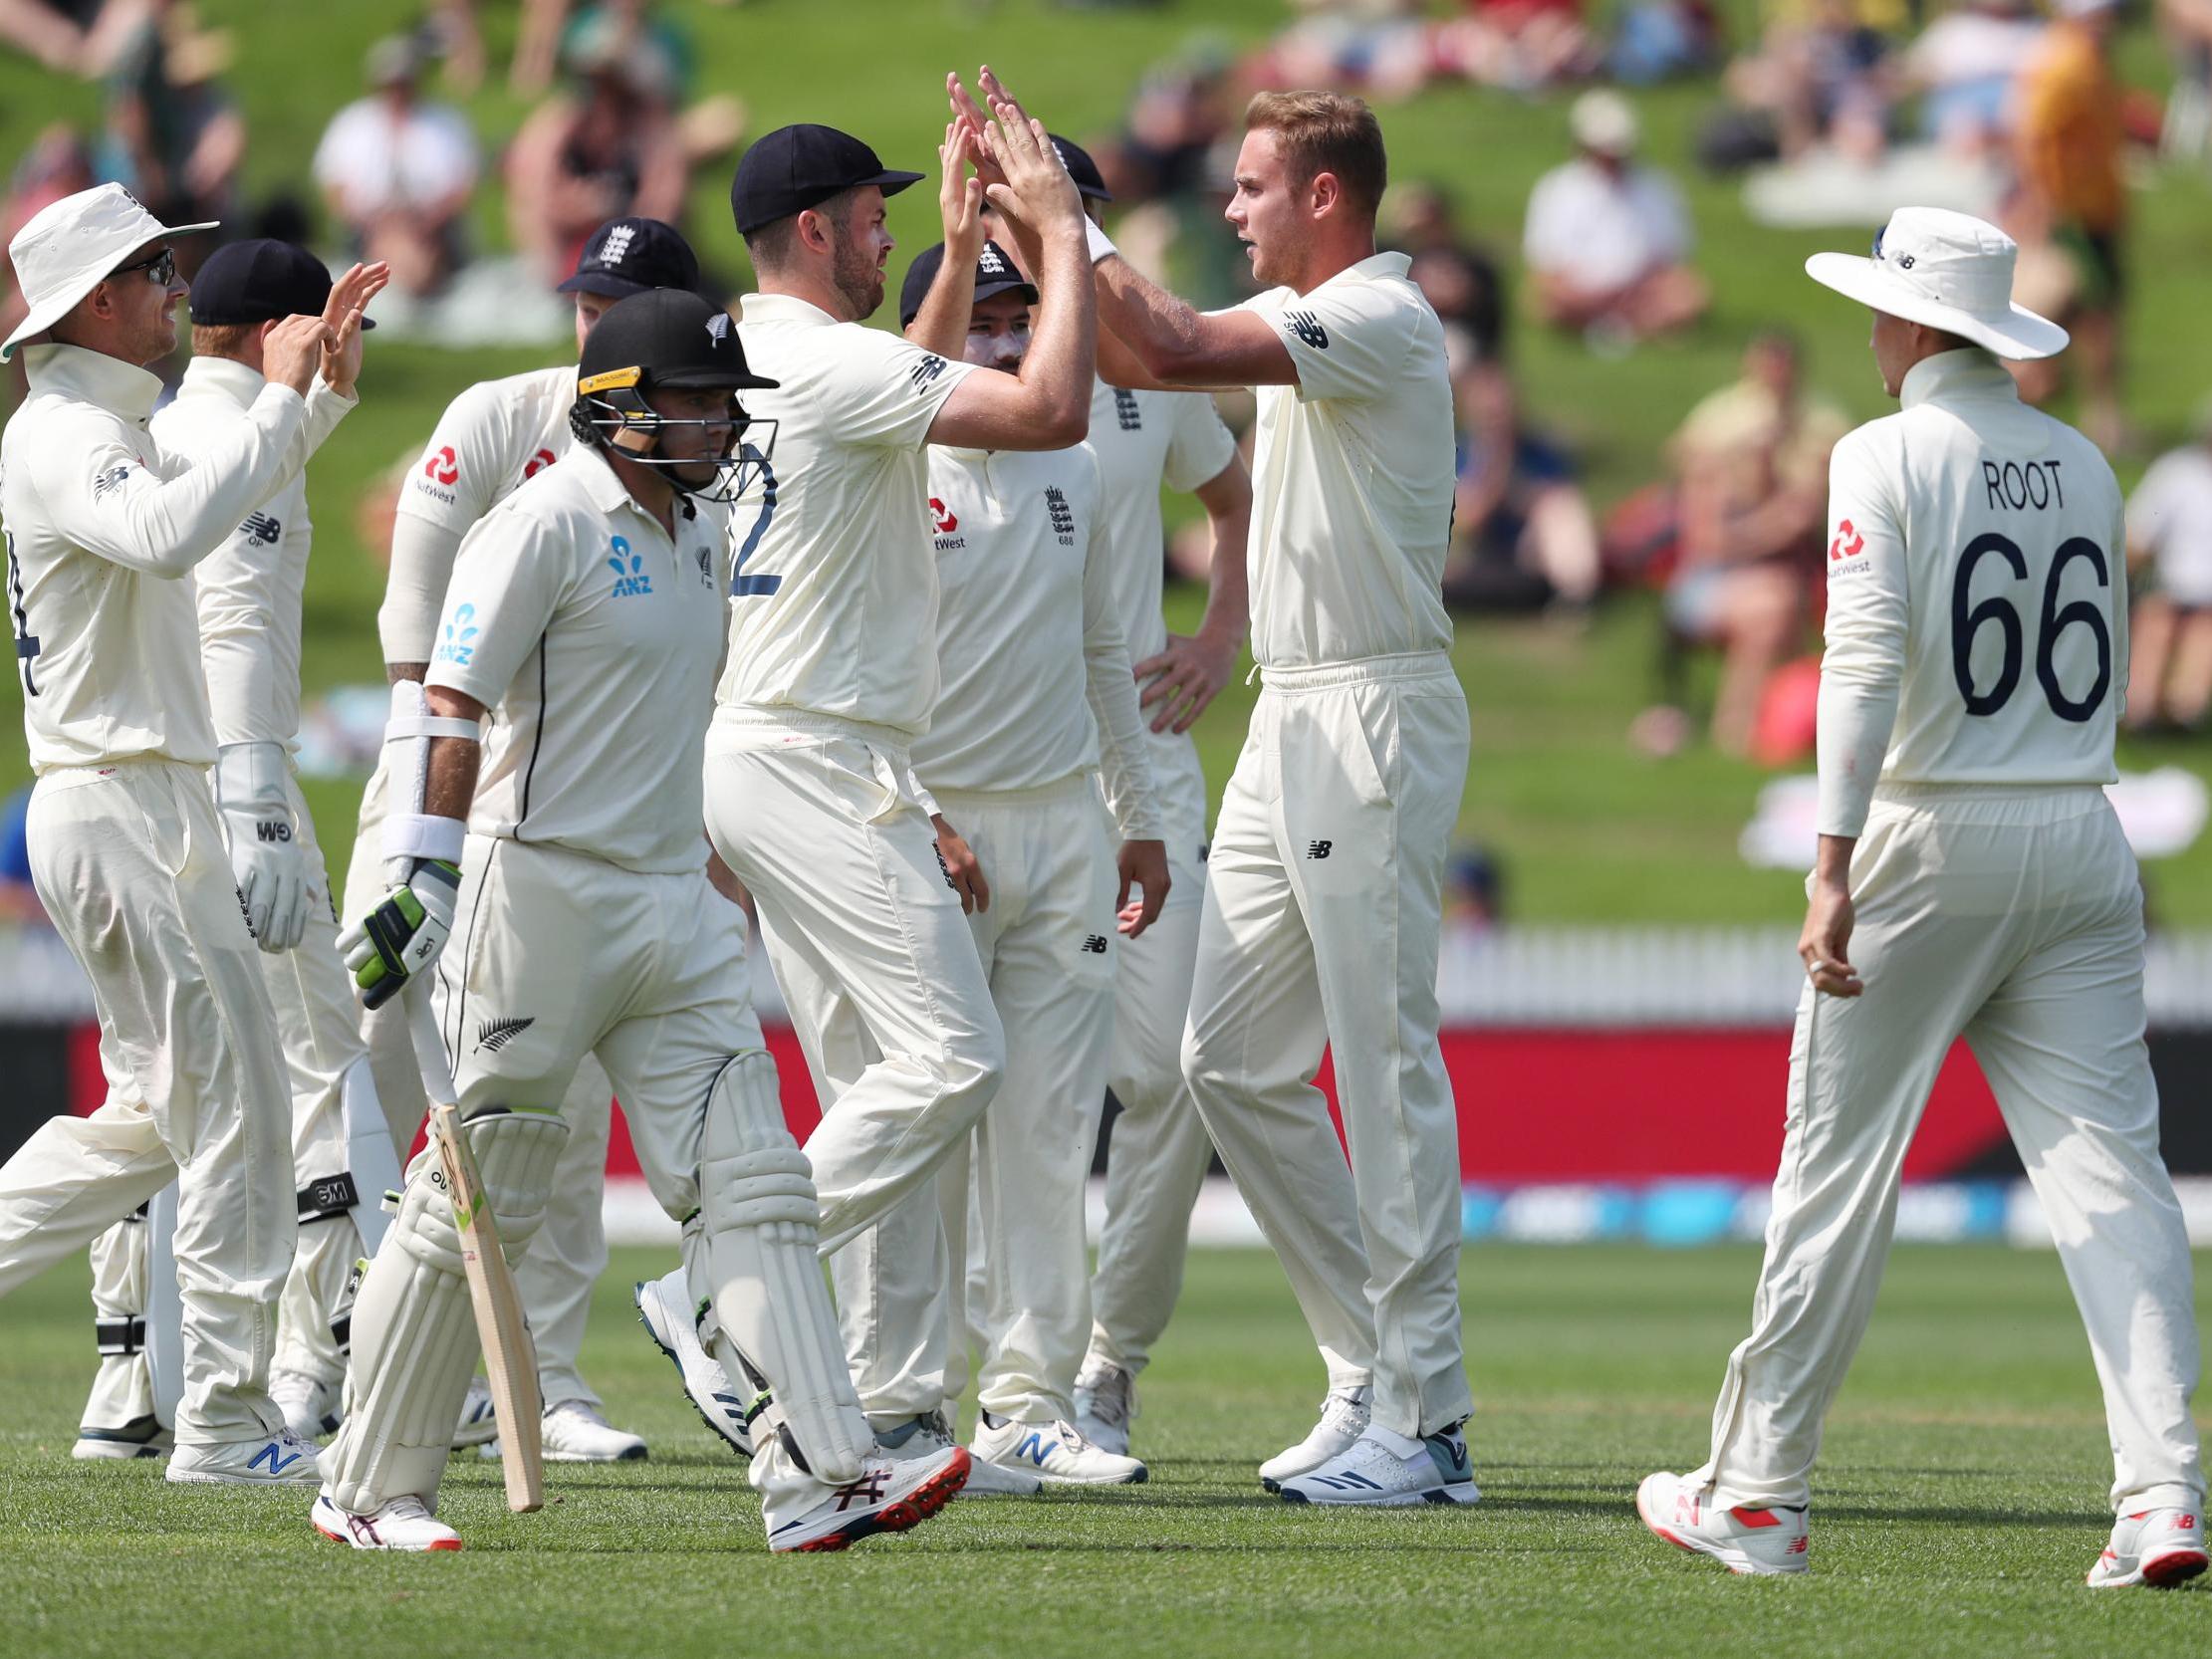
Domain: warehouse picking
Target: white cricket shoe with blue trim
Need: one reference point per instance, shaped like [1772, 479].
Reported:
[1344, 1419]
[1380, 1472]
[280, 1459]
[664, 1309]
[1055, 1453]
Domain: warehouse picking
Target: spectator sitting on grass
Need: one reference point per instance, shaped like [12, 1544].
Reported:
[1964, 66]
[1522, 530]
[397, 172]
[1608, 239]
[2169, 538]
[606, 149]
[1751, 466]
[1820, 78]
[1455, 275]
[2070, 139]
[1516, 46]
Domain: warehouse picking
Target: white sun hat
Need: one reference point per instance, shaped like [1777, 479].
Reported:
[1950, 271]
[69, 247]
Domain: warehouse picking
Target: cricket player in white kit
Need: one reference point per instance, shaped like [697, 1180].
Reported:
[585, 924]
[1145, 439]
[249, 596]
[1324, 889]
[1037, 710]
[103, 525]
[833, 672]
[490, 440]
[1972, 880]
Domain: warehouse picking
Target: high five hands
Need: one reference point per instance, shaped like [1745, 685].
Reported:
[1014, 157]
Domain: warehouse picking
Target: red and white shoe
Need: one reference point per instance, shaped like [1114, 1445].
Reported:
[2158, 1548]
[1742, 1539]
[402, 1524]
[889, 1497]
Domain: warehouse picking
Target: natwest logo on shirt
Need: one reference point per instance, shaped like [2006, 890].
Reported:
[1849, 543]
[444, 467]
[942, 517]
[537, 464]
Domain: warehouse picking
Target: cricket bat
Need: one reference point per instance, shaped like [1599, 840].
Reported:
[510, 1356]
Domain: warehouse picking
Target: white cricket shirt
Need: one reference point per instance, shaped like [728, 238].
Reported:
[1028, 635]
[595, 637]
[1145, 440]
[2170, 517]
[833, 603]
[490, 440]
[102, 526]
[1977, 596]
[1352, 474]
[249, 590]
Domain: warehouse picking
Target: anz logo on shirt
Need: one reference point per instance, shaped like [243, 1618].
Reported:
[630, 579]
[460, 637]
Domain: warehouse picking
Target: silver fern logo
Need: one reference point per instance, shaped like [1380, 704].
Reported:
[495, 1035]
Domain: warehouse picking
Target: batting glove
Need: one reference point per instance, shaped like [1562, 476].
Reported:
[267, 859]
[403, 936]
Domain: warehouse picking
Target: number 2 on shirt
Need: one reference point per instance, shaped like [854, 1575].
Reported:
[743, 585]
[26, 642]
[1968, 619]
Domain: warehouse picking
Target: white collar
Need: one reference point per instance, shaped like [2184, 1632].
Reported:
[1948, 375]
[120, 388]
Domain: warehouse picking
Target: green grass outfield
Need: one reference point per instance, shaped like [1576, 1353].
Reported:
[1961, 1501]
[1586, 829]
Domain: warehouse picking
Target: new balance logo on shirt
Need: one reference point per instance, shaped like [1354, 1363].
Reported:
[925, 372]
[1319, 850]
[1307, 326]
[1094, 944]
[262, 530]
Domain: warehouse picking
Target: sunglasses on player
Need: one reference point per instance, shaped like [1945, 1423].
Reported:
[159, 268]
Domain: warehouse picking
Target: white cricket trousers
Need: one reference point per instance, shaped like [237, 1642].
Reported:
[557, 955]
[319, 1042]
[129, 860]
[1159, 1153]
[2013, 918]
[559, 1267]
[1323, 922]
[1047, 945]
[813, 815]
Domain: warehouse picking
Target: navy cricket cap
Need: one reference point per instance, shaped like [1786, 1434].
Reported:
[796, 167]
[630, 256]
[1085, 172]
[995, 273]
[259, 282]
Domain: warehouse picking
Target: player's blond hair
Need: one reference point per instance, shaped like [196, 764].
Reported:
[222, 340]
[1326, 133]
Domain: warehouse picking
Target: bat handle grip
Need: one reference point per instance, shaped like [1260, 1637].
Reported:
[429, 1048]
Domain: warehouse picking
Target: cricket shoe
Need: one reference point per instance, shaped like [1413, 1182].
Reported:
[575, 1431]
[665, 1310]
[1742, 1539]
[309, 1405]
[1377, 1470]
[141, 1437]
[280, 1459]
[893, 1494]
[402, 1523]
[479, 1422]
[1055, 1453]
[1344, 1419]
[2158, 1548]
[1106, 1406]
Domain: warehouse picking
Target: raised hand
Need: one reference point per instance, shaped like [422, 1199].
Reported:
[1037, 191]
[959, 197]
[349, 303]
[972, 123]
[292, 350]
